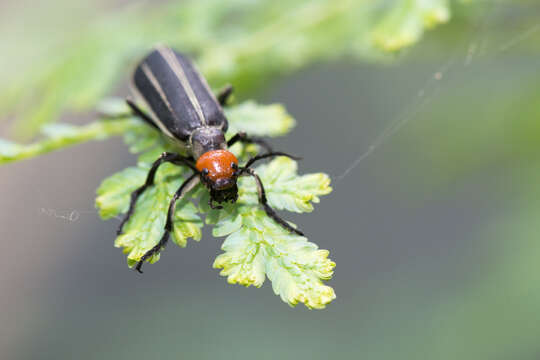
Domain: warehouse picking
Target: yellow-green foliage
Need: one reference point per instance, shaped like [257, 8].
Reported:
[255, 246]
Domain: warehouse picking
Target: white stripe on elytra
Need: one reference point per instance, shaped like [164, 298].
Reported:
[152, 78]
[171, 59]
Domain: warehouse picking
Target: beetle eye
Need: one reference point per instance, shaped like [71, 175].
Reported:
[234, 165]
[205, 171]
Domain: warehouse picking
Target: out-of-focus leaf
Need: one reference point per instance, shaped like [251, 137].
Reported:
[259, 120]
[267, 38]
[406, 20]
[62, 135]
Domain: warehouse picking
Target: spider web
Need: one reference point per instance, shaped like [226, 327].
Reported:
[460, 58]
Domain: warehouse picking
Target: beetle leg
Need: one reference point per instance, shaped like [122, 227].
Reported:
[186, 186]
[264, 156]
[264, 202]
[165, 157]
[140, 113]
[224, 94]
[244, 138]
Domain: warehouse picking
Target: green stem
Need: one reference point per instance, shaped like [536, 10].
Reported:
[66, 136]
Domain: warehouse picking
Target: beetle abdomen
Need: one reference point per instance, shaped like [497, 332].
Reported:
[177, 95]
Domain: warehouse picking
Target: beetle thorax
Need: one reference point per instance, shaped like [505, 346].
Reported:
[218, 168]
[206, 139]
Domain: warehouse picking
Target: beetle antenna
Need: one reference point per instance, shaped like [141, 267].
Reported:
[244, 138]
[265, 156]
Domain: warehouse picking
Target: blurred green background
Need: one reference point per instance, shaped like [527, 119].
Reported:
[434, 232]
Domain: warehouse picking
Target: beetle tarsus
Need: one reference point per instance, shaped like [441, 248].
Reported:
[156, 249]
[138, 267]
[224, 94]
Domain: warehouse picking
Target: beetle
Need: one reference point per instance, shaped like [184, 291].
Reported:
[183, 108]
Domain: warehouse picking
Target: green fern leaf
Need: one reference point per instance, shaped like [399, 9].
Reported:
[257, 247]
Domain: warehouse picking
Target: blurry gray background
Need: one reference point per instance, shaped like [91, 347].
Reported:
[425, 270]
